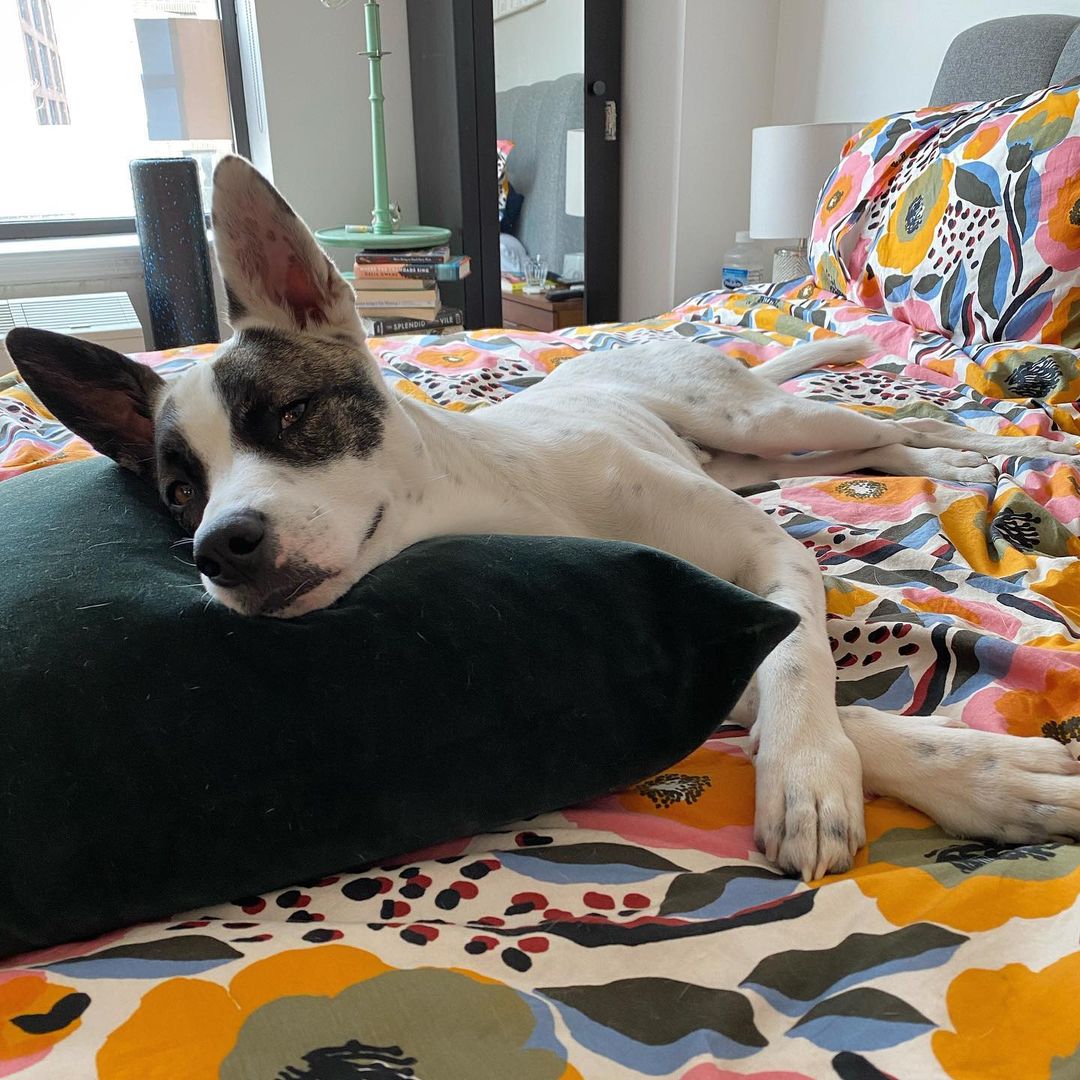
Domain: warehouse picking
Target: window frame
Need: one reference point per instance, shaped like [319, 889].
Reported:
[69, 227]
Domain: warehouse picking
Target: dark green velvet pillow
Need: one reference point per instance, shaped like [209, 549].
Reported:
[159, 754]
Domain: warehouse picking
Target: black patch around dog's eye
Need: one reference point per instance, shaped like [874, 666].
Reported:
[179, 466]
[262, 368]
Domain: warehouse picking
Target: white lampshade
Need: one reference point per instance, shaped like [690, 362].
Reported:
[790, 163]
[575, 172]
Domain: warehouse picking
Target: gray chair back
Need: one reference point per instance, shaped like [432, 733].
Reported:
[1009, 56]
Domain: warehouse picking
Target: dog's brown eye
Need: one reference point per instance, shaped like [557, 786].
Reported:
[291, 413]
[180, 493]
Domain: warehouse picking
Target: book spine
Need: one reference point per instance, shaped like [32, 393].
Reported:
[396, 298]
[455, 270]
[392, 271]
[401, 326]
[387, 259]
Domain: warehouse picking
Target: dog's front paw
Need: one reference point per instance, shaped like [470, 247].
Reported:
[809, 818]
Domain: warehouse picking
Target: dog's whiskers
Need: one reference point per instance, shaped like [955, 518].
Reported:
[302, 584]
[184, 540]
[320, 511]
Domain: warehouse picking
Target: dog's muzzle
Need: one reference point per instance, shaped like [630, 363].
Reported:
[238, 555]
[235, 550]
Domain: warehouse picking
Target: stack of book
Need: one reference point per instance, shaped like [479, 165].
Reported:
[397, 292]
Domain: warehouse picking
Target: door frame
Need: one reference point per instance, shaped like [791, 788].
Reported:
[452, 71]
[603, 195]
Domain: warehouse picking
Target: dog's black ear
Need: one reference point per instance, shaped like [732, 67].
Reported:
[99, 394]
[275, 273]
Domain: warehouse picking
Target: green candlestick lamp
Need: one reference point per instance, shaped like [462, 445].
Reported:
[384, 231]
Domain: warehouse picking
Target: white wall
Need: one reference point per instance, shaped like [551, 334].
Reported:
[697, 78]
[840, 60]
[541, 42]
[317, 118]
[699, 75]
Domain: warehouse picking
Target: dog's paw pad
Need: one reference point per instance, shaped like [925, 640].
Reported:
[810, 819]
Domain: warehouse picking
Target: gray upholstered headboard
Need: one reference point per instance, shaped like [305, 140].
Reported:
[537, 118]
[1009, 56]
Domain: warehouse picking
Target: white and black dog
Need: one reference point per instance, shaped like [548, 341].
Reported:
[298, 471]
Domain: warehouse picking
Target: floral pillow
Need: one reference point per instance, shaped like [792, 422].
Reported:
[509, 200]
[963, 220]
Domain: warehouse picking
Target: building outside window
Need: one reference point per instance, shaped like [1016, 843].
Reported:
[42, 61]
[86, 86]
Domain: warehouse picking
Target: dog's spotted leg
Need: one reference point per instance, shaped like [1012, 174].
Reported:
[771, 423]
[738, 471]
[972, 783]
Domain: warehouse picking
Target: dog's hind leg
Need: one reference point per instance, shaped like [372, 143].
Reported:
[738, 471]
[809, 815]
[725, 407]
[972, 783]
[769, 423]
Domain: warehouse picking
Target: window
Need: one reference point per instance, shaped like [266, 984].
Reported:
[103, 83]
[31, 60]
[46, 67]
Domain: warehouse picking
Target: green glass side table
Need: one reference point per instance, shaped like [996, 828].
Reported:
[402, 238]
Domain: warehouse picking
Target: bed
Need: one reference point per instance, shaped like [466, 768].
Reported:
[643, 934]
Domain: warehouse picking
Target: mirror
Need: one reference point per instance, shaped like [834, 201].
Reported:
[545, 75]
[539, 62]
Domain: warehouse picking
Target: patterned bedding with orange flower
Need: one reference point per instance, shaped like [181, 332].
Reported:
[642, 934]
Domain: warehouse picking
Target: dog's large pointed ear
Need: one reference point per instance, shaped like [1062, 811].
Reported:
[99, 394]
[275, 274]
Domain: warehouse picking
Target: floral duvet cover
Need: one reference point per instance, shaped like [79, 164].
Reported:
[643, 934]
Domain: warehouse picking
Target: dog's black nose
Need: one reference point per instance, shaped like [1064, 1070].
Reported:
[232, 550]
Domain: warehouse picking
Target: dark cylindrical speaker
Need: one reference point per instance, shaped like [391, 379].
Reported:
[176, 258]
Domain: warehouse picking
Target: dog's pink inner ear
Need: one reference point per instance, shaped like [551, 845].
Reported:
[306, 301]
[117, 410]
[127, 416]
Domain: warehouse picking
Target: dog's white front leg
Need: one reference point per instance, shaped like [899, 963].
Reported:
[809, 817]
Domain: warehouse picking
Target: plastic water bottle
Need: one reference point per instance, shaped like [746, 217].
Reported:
[744, 264]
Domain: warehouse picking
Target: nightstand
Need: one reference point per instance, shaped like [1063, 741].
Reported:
[534, 311]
